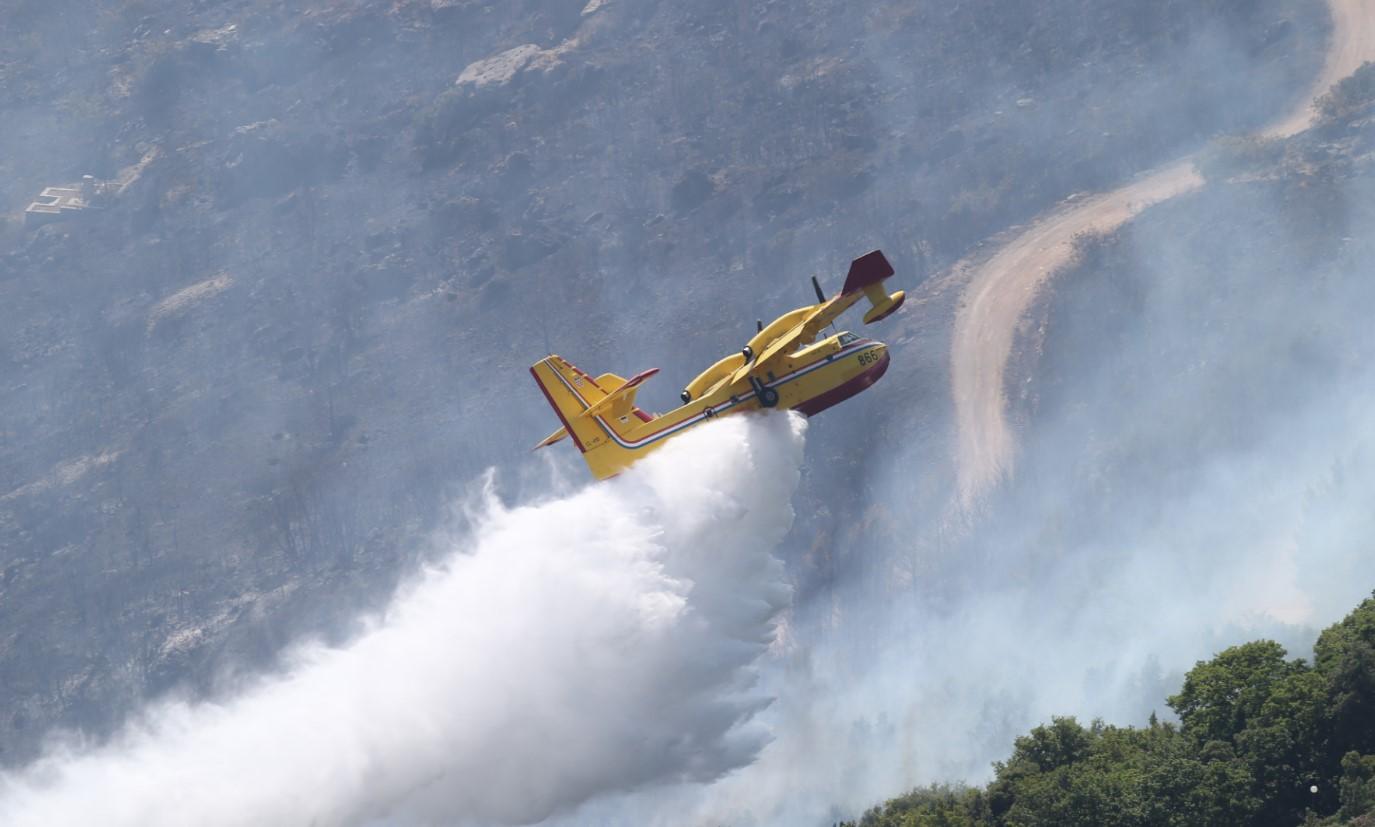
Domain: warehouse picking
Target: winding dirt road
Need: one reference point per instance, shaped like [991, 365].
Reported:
[1001, 288]
[1353, 43]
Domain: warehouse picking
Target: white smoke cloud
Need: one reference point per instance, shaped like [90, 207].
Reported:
[599, 642]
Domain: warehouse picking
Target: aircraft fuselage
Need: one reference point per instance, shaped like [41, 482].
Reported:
[808, 381]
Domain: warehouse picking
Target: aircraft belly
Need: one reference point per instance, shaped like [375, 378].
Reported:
[843, 389]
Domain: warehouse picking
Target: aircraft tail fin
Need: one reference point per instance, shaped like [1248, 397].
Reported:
[867, 274]
[599, 414]
[869, 269]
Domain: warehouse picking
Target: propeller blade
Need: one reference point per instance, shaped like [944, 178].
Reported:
[820, 296]
[758, 325]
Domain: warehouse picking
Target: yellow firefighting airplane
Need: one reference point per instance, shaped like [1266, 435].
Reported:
[783, 366]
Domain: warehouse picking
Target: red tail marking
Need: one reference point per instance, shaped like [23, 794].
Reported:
[559, 413]
[870, 268]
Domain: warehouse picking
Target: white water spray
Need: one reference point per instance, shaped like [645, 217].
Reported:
[597, 643]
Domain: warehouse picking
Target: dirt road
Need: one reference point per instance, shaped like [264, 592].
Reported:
[1000, 289]
[1000, 292]
[1353, 43]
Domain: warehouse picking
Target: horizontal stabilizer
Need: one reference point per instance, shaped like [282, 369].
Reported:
[551, 439]
[609, 382]
[868, 269]
[619, 393]
[884, 305]
[573, 394]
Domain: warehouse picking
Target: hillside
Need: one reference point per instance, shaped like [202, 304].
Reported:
[1223, 329]
[1261, 740]
[999, 289]
[238, 397]
[1193, 402]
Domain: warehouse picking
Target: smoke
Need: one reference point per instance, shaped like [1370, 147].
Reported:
[922, 665]
[599, 642]
[1196, 475]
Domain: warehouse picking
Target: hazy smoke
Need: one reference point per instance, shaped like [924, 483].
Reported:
[598, 642]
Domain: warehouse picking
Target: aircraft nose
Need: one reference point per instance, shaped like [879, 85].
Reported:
[881, 363]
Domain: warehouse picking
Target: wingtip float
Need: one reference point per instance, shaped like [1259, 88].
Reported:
[783, 367]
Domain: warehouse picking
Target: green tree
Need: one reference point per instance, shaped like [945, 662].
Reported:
[1184, 785]
[1035, 755]
[1257, 734]
[1220, 696]
[935, 806]
[1285, 747]
[1357, 785]
[1345, 655]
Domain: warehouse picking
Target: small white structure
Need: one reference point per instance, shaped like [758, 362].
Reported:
[59, 203]
[55, 204]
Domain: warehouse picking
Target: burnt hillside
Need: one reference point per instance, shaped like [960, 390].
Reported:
[239, 394]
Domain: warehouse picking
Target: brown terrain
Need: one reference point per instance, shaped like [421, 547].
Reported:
[1000, 288]
[243, 382]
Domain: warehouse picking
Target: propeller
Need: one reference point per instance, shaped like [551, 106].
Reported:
[821, 298]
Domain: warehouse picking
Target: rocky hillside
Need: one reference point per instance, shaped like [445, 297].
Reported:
[1194, 408]
[324, 240]
[1224, 330]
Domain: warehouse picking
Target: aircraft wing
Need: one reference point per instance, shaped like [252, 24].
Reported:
[802, 333]
[866, 275]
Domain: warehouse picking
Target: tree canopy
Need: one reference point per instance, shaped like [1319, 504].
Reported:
[1262, 740]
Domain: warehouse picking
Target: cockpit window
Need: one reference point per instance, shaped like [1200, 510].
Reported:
[846, 338]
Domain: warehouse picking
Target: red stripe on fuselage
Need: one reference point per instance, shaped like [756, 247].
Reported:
[555, 406]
